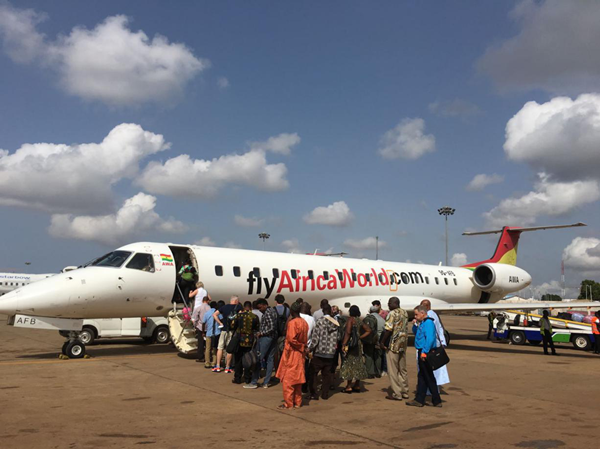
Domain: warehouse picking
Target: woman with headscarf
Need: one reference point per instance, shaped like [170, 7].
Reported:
[291, 366]
[353, 365]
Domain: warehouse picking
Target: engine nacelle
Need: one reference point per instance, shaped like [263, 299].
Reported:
[500, 278]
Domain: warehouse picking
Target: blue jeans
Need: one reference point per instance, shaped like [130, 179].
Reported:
[266, 353]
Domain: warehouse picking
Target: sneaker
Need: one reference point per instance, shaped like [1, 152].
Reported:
[251, 386]
[414, 404]
[404, 396]
[217, 369]
[235, 381]
[228, 371]
[266, 385]
[384, 374]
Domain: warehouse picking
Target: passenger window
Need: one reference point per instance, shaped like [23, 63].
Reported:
[446, 281]
[142, 262]
[426, 279]
[256, 271]
[275, 273]
[380, 276]
[340, 276]
[311, 274]
[368, 276]
[294, 274]
[326, 275]
[236, 272]
[354, 277]
[455, 283]
[219, 270]
[437, 281]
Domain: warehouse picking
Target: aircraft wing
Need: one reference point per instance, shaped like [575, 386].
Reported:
[463, 307]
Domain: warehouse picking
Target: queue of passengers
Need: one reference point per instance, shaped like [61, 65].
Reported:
[296, 347]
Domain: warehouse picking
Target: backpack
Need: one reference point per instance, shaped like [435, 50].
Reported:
[341, 328]
[354, 337]
[281, 324]
[371, 321]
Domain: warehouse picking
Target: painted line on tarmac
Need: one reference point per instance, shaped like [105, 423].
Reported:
[98, 359]
[270, 409]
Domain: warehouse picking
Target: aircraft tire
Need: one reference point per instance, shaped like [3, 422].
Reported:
[162, 335]
[87, 336]
[64, 347]
[75, 349]
[517, 337]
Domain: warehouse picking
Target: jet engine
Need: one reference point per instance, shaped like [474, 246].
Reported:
[500, 278]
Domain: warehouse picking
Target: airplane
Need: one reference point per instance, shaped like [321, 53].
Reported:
[12, 281]
[139, 279]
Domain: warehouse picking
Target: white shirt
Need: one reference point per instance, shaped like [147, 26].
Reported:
[199, 297]
[318, 315]
[311, 324]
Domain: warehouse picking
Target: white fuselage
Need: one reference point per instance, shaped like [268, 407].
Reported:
[12, 281]
[123, 291]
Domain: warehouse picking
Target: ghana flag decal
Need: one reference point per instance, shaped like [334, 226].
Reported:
[166, 258]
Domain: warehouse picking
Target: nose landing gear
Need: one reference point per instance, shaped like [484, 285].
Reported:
[73, 348]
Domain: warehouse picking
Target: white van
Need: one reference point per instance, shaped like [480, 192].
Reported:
[153, 329]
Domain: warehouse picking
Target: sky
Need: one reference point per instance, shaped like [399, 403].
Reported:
[324, 124]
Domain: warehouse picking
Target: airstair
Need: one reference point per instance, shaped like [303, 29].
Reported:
[183, 333]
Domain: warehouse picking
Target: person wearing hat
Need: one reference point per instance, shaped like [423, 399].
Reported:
[291, 365]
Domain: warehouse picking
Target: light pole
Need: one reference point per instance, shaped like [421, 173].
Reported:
[264, 236]
[445, 211]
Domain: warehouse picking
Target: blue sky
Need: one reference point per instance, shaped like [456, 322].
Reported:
[328, 81]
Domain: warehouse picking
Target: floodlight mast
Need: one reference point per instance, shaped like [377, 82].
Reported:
[264, 236]
[445, 211]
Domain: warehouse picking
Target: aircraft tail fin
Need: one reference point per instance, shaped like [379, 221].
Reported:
[508, 244]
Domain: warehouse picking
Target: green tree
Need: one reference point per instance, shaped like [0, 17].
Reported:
[550, 297]
[595, 290]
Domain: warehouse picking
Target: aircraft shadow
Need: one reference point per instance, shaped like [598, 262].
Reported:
[112, 348]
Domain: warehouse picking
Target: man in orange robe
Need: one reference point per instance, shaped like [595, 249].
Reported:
[291, 366]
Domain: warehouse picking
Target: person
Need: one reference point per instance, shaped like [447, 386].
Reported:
[245, 325]
[198, 294]
[596, 332]
[383, 313]
[441, 374]
[394, 342]
[197, 317]
[280, 307]
[323, 347]
[283, 314]
[491, 317]
[224, 316]
[256, 311]
[353, 367]
[380, 327]
[425, 341]
[319, 313]
[267, 340]
[212, 336]
[546, 330]
[370, 343]
[291, 367]
[306, 316]
[187, 276]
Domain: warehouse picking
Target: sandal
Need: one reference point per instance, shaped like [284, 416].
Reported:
[347, 391]
[283, 407]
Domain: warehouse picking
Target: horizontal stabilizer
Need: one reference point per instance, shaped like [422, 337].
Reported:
[535, 228]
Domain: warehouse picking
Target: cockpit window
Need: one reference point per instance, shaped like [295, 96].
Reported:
[114, 259]
[142, 261]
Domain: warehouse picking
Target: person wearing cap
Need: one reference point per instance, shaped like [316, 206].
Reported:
[291, 366]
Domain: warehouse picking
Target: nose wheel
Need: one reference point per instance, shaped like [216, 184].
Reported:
[73, 348]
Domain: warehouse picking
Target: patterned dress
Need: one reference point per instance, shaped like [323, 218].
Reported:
[353, 366]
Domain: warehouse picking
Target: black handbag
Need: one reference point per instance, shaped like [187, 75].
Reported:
[234, 344]
[437, 357]
[250, 359]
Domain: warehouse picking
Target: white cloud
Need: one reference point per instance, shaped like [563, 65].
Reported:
[407, 140]
[549, 198]
[197, 178]
[20, 39]
[458, 259]
[135, 217]
[109, 63]
[292, 246]
[248, 222]
[481, 181]
[556, 48]
[233, 245]
[583, 254]
[364, 244]
[205, 241]
[75, 178]
[336, 214]
[223, 82]
[454, 108]
[561, 136]
[282, 144]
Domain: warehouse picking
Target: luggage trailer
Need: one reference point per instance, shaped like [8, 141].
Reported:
[563, 331]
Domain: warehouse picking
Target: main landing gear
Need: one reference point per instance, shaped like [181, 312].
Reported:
[73, 348]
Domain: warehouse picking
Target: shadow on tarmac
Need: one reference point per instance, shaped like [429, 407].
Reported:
[110, 348]
[504, 347]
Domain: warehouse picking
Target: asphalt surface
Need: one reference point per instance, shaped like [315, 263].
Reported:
[130, 394]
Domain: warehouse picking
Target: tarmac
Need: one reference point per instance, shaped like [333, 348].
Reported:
[131, 394]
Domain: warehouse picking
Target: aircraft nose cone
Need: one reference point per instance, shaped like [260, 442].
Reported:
[9, 303]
